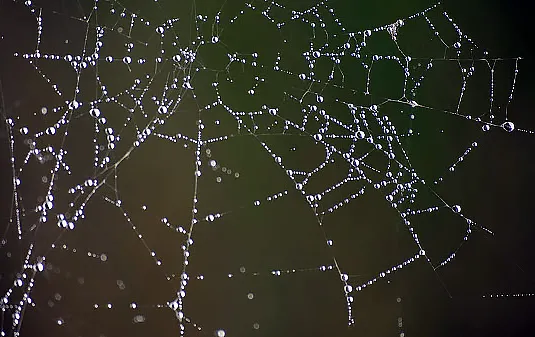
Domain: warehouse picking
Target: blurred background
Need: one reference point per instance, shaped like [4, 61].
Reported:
[264, 262]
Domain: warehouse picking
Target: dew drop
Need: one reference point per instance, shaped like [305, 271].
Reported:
[95, 113]
[74, 105]
[139, 319]
[51, 130]
[508, 126]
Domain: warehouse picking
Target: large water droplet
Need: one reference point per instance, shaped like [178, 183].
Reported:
[508, 126]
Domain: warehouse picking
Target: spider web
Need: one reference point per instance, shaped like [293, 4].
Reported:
[177, 165]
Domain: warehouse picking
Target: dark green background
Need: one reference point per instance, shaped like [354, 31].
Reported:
[495, 187]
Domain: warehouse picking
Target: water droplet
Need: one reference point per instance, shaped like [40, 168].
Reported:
[508, 126]
[74, 105]
[50, 130]
[95, 113]
[139, 319]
